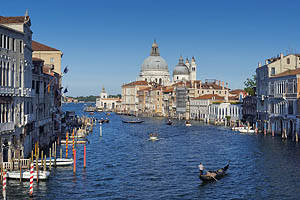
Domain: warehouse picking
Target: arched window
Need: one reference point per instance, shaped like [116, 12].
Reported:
[288, 61]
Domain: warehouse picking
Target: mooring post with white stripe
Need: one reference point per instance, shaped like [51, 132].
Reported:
[4, 184]
[31, 180]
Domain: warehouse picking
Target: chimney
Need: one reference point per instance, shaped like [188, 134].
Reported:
[226, 85]
[222, 85]
[259, 64]
[200, 85]
[281, 55]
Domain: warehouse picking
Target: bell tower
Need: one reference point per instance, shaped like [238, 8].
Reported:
[193, 70]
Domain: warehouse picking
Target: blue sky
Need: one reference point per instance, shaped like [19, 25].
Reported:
[105, 42]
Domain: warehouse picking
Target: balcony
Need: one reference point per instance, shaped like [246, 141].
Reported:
[28, 92]
[9, 91]
[7, 127]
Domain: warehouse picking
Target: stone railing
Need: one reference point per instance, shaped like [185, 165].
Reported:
[6, 127]
[9, 91]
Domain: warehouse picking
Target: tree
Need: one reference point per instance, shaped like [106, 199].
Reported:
[250, 85]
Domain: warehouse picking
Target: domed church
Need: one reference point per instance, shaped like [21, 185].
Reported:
[185, 72]
[155, 68]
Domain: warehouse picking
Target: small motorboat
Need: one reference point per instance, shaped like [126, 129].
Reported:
[246, 130]
[187, 123]
[91, 113]
[106, 120]
[133, 122]
[43, 175]
[169, 122]
[213, 175]
[108, 114]
[153, 137]
[59, 162]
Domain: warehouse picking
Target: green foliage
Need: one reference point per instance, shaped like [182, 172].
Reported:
[90, 98]
[250, 85]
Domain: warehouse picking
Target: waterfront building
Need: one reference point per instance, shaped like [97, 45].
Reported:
[16, 113]
[50, 55]
[47, 123]
[130, 100]
[225, 111]
[283, 103]
[155, 68]
[106, 103]
[272, 67]
[249, 110]
[169, 102]
[199, 106]
[237, 95]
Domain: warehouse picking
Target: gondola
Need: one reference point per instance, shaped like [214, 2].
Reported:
[219, 174]
[132, 122]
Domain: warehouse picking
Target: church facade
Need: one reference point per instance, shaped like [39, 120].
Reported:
[155, 69]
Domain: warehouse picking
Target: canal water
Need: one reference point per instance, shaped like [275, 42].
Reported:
[123, 164]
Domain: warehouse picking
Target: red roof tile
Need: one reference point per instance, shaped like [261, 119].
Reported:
[137, 83]
[209, 96]
[36, 46]
[13, 20]
[288, 73]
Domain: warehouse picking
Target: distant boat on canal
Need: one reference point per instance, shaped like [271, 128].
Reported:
[133, 122]
[188, 123]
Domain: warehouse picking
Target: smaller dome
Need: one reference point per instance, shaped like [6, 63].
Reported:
[181, 68]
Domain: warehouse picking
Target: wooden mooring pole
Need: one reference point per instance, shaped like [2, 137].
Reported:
[84, 159]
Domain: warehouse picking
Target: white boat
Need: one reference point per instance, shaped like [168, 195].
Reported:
[153, 138]
[59, 162]
[246, 130]
[43, 175]
[188, 124]
[237, 128]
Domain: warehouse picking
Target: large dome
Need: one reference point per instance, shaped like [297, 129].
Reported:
[181, 68]
[154, 63]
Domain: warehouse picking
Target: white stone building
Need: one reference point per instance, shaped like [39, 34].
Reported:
[272, 67]
[105, 103]
[16, 113]
[221, 111]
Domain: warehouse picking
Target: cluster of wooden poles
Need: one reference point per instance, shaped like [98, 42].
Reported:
[35, 154]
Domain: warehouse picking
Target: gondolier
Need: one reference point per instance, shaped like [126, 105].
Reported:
[201, 168]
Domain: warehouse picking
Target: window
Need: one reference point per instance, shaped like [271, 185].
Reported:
[21, 46]
[14, 44]
[1, 40]
[288, 61]
[51, 60]
[273, 71]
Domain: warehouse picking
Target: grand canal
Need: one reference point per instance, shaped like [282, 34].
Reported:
[123, 164]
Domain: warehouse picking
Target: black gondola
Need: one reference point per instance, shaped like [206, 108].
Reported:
[169, 122]
[132, 122]
[218, 174]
